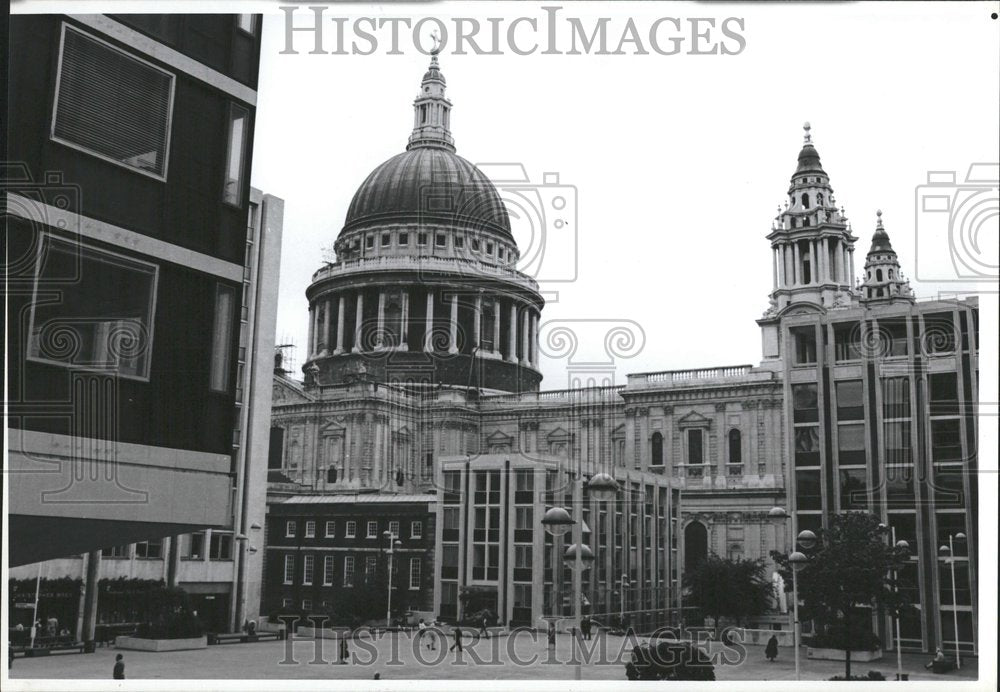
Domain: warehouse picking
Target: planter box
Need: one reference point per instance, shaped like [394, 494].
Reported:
[841, 655]
[140, 644]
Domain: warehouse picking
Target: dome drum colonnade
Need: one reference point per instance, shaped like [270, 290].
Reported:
[424, 282]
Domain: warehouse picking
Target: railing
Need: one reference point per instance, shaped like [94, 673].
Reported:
[458, 265]
[580, 396]
[675, 376]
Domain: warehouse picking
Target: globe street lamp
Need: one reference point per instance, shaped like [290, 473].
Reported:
[948, 553]
[797, 560]
[557, 521]
[602, 487]
[393, 545]
[903, 548]
[807, 540]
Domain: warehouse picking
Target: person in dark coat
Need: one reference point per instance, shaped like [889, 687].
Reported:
[771, 650]
[458, 639]
[483, 632]
[344, 651]
[585, 625]
[119, 673]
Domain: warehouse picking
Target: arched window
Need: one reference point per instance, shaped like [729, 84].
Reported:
[735, 447]
[657, 445]
[695, 545]
[890, 275]
[819, 198]
[805, 201]
[878, 274]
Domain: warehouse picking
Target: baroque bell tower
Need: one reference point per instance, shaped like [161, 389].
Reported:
[811, 240]
[883, 281]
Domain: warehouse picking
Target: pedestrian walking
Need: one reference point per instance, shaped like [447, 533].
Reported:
[771, 650]
[552, 636]
[344, 650]
[483, 632]
[119, 672]
[432, 635]
[585, 625]
[458, 639]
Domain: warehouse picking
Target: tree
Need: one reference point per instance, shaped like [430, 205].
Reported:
[733, 588]
[850, 568]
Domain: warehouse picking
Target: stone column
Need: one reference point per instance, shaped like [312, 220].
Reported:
[774, 269]
[453, 325]
[380, 333]
[340, 324]
[533, 338]
[357, 321]
[429, 322]
[813, 263]
[325, 336]
[404, 327]
[796, 264]
[477, 322]
[312, 329]
[496, 327]
[512, 335]
[525, 355]
[851, 257]
[838, 262]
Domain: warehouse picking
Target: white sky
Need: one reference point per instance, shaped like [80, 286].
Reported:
[679, 161]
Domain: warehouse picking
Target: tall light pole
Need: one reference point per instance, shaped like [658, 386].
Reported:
[621, 610]
[948, 552]
[797, 560]
[393, 544]
[901, 546]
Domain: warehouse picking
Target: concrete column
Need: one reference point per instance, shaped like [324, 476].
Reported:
[357, 322]
[429, 322]
[796, 264]
[340, 324]
[404, 328]
[90, 595]
[379, 334]
[512, 335]
[477, 321]
[453, 325]
[324, 338]
[496, 327]
[838, 262]
[312, 325]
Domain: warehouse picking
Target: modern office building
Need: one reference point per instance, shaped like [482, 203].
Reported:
[421, 377]
[142, 299]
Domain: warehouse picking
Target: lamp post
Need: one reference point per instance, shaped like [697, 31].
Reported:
[903, 547]
[621, 610]
[797, 560]
[948, 552]
[393, 544]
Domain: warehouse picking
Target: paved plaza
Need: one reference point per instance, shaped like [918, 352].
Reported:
[397, 657]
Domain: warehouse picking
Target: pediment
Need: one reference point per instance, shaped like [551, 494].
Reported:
[498, 436]
[558, 434]
[694, 419]
[286, 391]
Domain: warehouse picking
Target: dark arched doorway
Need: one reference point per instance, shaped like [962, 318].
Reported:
[695, 545]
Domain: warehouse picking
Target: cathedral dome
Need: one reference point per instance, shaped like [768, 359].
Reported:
[429, 185]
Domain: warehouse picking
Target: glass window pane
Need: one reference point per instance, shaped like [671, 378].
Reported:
[104, 317]
[238, 128]
[222, 331]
